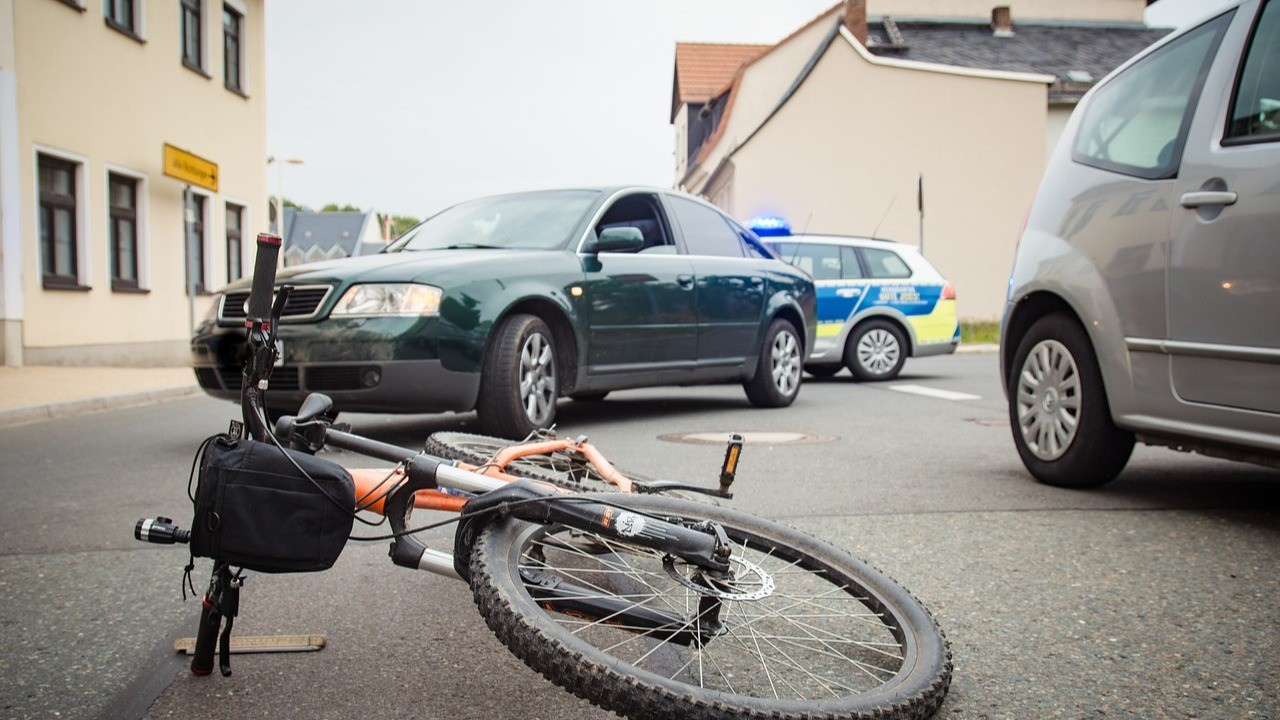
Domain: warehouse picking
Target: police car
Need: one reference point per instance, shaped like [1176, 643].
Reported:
[878, 301]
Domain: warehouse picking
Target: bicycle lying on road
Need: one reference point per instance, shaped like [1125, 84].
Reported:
[649, 606]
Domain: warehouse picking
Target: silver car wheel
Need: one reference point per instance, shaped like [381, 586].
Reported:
[878, 351]
[1048, 400]
[785, 362]
[537, 378]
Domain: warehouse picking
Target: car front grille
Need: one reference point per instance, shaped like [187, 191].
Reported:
[304, 304]
[285, 378]
[323, 378]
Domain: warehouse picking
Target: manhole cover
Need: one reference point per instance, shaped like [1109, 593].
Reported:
[750, 438]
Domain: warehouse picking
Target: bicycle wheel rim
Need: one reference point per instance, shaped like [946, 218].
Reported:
[751, 669]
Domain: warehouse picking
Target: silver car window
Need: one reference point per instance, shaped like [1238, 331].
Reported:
[1255, 111]
[1136, 123]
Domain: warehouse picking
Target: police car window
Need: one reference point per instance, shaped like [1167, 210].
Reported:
[820, 261]
[1255, 110]
[883, 264]
[705, 231]
[1137, 122]
[851, 269]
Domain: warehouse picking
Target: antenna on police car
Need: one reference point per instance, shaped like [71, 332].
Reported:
[876, 232]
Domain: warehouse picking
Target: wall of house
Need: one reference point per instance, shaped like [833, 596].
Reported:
[843, 156]
[763, 82]
[110, 106]
[1090, 10]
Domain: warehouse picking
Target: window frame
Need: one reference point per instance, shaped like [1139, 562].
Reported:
[133, 29]
[238, 87]
[79, 226]
[242, 212]
[1216, 26]
[200, 63]
[1229, 140]
[204, 202]
[114, 213]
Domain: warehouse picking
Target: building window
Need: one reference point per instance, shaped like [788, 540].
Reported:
[235, 216]
[232, 42]
[122, 15]
[195, 243]
[122, 199]
[59, 246]
[192, 37]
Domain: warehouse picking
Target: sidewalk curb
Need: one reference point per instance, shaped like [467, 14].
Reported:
[977, 348]
[26, 414]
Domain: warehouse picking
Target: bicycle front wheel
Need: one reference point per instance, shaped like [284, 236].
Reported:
[803, 630]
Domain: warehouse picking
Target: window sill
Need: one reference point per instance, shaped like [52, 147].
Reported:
[128, 288]
[196, 69]
[63, 284]
[125, 30]
[237, 91]
[73, 4]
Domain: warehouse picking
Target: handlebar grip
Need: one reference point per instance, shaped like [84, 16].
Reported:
[206, 638]
[264, 277]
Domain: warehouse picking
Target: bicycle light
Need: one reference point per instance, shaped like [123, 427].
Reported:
[160, 531]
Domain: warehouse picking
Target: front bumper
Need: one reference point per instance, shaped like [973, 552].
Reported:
[382, 373]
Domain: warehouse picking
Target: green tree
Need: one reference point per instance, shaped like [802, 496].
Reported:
[334, 207]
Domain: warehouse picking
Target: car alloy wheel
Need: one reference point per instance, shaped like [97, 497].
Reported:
[1048, 400]
[537, 378]
[878, 351]
[784, 358]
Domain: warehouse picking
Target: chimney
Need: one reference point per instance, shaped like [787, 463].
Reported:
[855, 19]
[1002, 21]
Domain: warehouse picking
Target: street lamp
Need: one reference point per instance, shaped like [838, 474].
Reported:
[280, 163]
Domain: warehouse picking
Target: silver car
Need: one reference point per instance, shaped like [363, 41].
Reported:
[1144, 302]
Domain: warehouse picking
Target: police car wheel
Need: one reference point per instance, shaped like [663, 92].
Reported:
[876, 351]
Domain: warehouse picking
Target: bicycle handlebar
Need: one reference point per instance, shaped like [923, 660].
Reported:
[264, 279]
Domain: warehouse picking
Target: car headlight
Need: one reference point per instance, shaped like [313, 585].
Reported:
[388, 299]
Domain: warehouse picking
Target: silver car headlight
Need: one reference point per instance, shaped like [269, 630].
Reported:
[388, 299]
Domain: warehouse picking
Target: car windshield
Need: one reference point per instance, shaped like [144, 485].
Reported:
[527, 221]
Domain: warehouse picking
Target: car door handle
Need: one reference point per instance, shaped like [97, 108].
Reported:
[1201, 198]
[685, 281]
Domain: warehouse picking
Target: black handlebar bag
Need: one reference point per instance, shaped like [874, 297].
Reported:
[270, 509]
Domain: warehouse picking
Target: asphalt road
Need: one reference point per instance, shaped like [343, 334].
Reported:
[1154, 597]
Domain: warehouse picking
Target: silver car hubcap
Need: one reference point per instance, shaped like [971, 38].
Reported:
[878, 351]
[785, 362]
[1048, 400]
[537, 378]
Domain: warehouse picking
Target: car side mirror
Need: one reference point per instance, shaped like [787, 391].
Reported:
[619, 239]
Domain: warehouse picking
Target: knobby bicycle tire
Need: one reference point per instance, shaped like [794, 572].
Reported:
[826, 636]
[559, 468]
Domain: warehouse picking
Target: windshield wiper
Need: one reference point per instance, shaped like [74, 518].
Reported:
[472, 246]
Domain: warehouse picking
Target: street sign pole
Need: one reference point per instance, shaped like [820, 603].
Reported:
[920, 207]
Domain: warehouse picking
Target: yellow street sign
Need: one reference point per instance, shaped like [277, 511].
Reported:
[190, 168]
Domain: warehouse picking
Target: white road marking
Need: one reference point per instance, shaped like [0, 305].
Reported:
[934, 392]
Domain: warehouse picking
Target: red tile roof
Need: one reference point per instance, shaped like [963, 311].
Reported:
[704, 69]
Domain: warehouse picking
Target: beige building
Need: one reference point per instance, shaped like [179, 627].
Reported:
[839, 126]
[114, 114]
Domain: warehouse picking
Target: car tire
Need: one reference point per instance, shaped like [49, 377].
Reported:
[777, 379]
[518, 385]
[1058, 409]
[876, 351]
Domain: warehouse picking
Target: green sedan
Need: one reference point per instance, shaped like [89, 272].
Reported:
[504, 305]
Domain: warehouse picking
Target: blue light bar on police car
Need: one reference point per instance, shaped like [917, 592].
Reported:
[769, 226]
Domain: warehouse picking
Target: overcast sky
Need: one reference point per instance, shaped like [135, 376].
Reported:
[407, 106]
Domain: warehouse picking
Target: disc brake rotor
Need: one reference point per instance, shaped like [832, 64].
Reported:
[746, 581]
